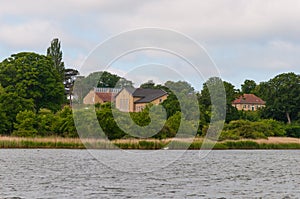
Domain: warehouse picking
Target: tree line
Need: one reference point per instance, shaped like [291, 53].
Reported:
[36, 90]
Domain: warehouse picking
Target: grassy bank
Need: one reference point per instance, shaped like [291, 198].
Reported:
[76, 143]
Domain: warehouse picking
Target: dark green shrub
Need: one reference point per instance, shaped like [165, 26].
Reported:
[293, 131]
[26, 124]
[229, 135]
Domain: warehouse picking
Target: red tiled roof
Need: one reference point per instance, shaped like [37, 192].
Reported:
[248, 99]
[106, 97]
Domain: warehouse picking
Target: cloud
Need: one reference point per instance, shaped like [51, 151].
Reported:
[28, 34]
[243, 37]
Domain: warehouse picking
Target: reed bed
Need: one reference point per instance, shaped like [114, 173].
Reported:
[147, 144]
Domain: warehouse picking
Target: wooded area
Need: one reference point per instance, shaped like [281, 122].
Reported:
[35, 99]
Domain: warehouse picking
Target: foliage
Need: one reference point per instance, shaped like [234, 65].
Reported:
[55, 53]
[149, 84]
[293, 131]
[10, 105]
[46, 122]
[215, 87]
[282, 97]
[4, 124]
[252, 116]
[32, 93]
[254, 130]
[99, 79]
[108, 123]
[248, 86]
[31, 76]
[181, 97]
[65, 123]
[70, 76]
[26, 123]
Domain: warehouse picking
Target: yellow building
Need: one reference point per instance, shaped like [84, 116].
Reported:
[248, 102]
[135, 100]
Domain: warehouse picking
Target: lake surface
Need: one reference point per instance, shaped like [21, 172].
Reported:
[222, 174]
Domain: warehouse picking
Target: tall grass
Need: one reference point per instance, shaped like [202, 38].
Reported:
[149, 144]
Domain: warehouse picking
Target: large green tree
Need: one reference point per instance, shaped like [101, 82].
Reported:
[149, 84]
[55, 52]
[248, 86]
[282, 96]
[31, 76]
[212, 87]
[179, 91]
[4, 123]
[10, 105]
[109, 80]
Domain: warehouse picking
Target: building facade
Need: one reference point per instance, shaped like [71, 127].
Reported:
[135, 100]
[248, 102]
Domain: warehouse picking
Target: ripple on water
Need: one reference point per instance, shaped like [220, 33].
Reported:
[222, 174]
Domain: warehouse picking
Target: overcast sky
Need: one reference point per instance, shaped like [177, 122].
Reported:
[246, 39]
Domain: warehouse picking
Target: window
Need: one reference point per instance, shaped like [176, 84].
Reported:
[160, 100]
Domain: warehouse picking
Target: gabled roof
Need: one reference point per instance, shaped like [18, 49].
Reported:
[128, 89]
[248, 99]
[106, 97]
[147, 94]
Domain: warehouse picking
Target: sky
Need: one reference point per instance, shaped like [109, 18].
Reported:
[245, 39]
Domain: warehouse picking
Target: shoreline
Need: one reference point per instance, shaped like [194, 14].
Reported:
[7, 142]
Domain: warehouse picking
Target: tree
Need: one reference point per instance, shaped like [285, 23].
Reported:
[149, 84]
[178, 91]
[231, 94]
[70, 77]
[109, 80]
[55, 52]
[180, 87]
[99, 79]
[26, 124]
[10, 105]
[248, 86]
[30, 76]
[4, 123]
[215, 84]
[282, 96]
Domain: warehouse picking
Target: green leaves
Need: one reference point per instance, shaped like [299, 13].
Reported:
[282, 96]
[55, 53]
[31, 76]
[248, 86]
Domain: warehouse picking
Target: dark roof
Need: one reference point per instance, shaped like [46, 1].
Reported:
[248, 99]
[147, 94]
[106, 97]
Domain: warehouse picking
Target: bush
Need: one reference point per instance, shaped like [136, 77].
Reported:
[26, 124]
[293, 131]
[252, 116]
[46, 120]
[229, 135]
[253, 130]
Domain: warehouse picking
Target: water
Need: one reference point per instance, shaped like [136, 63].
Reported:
[222, 174]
